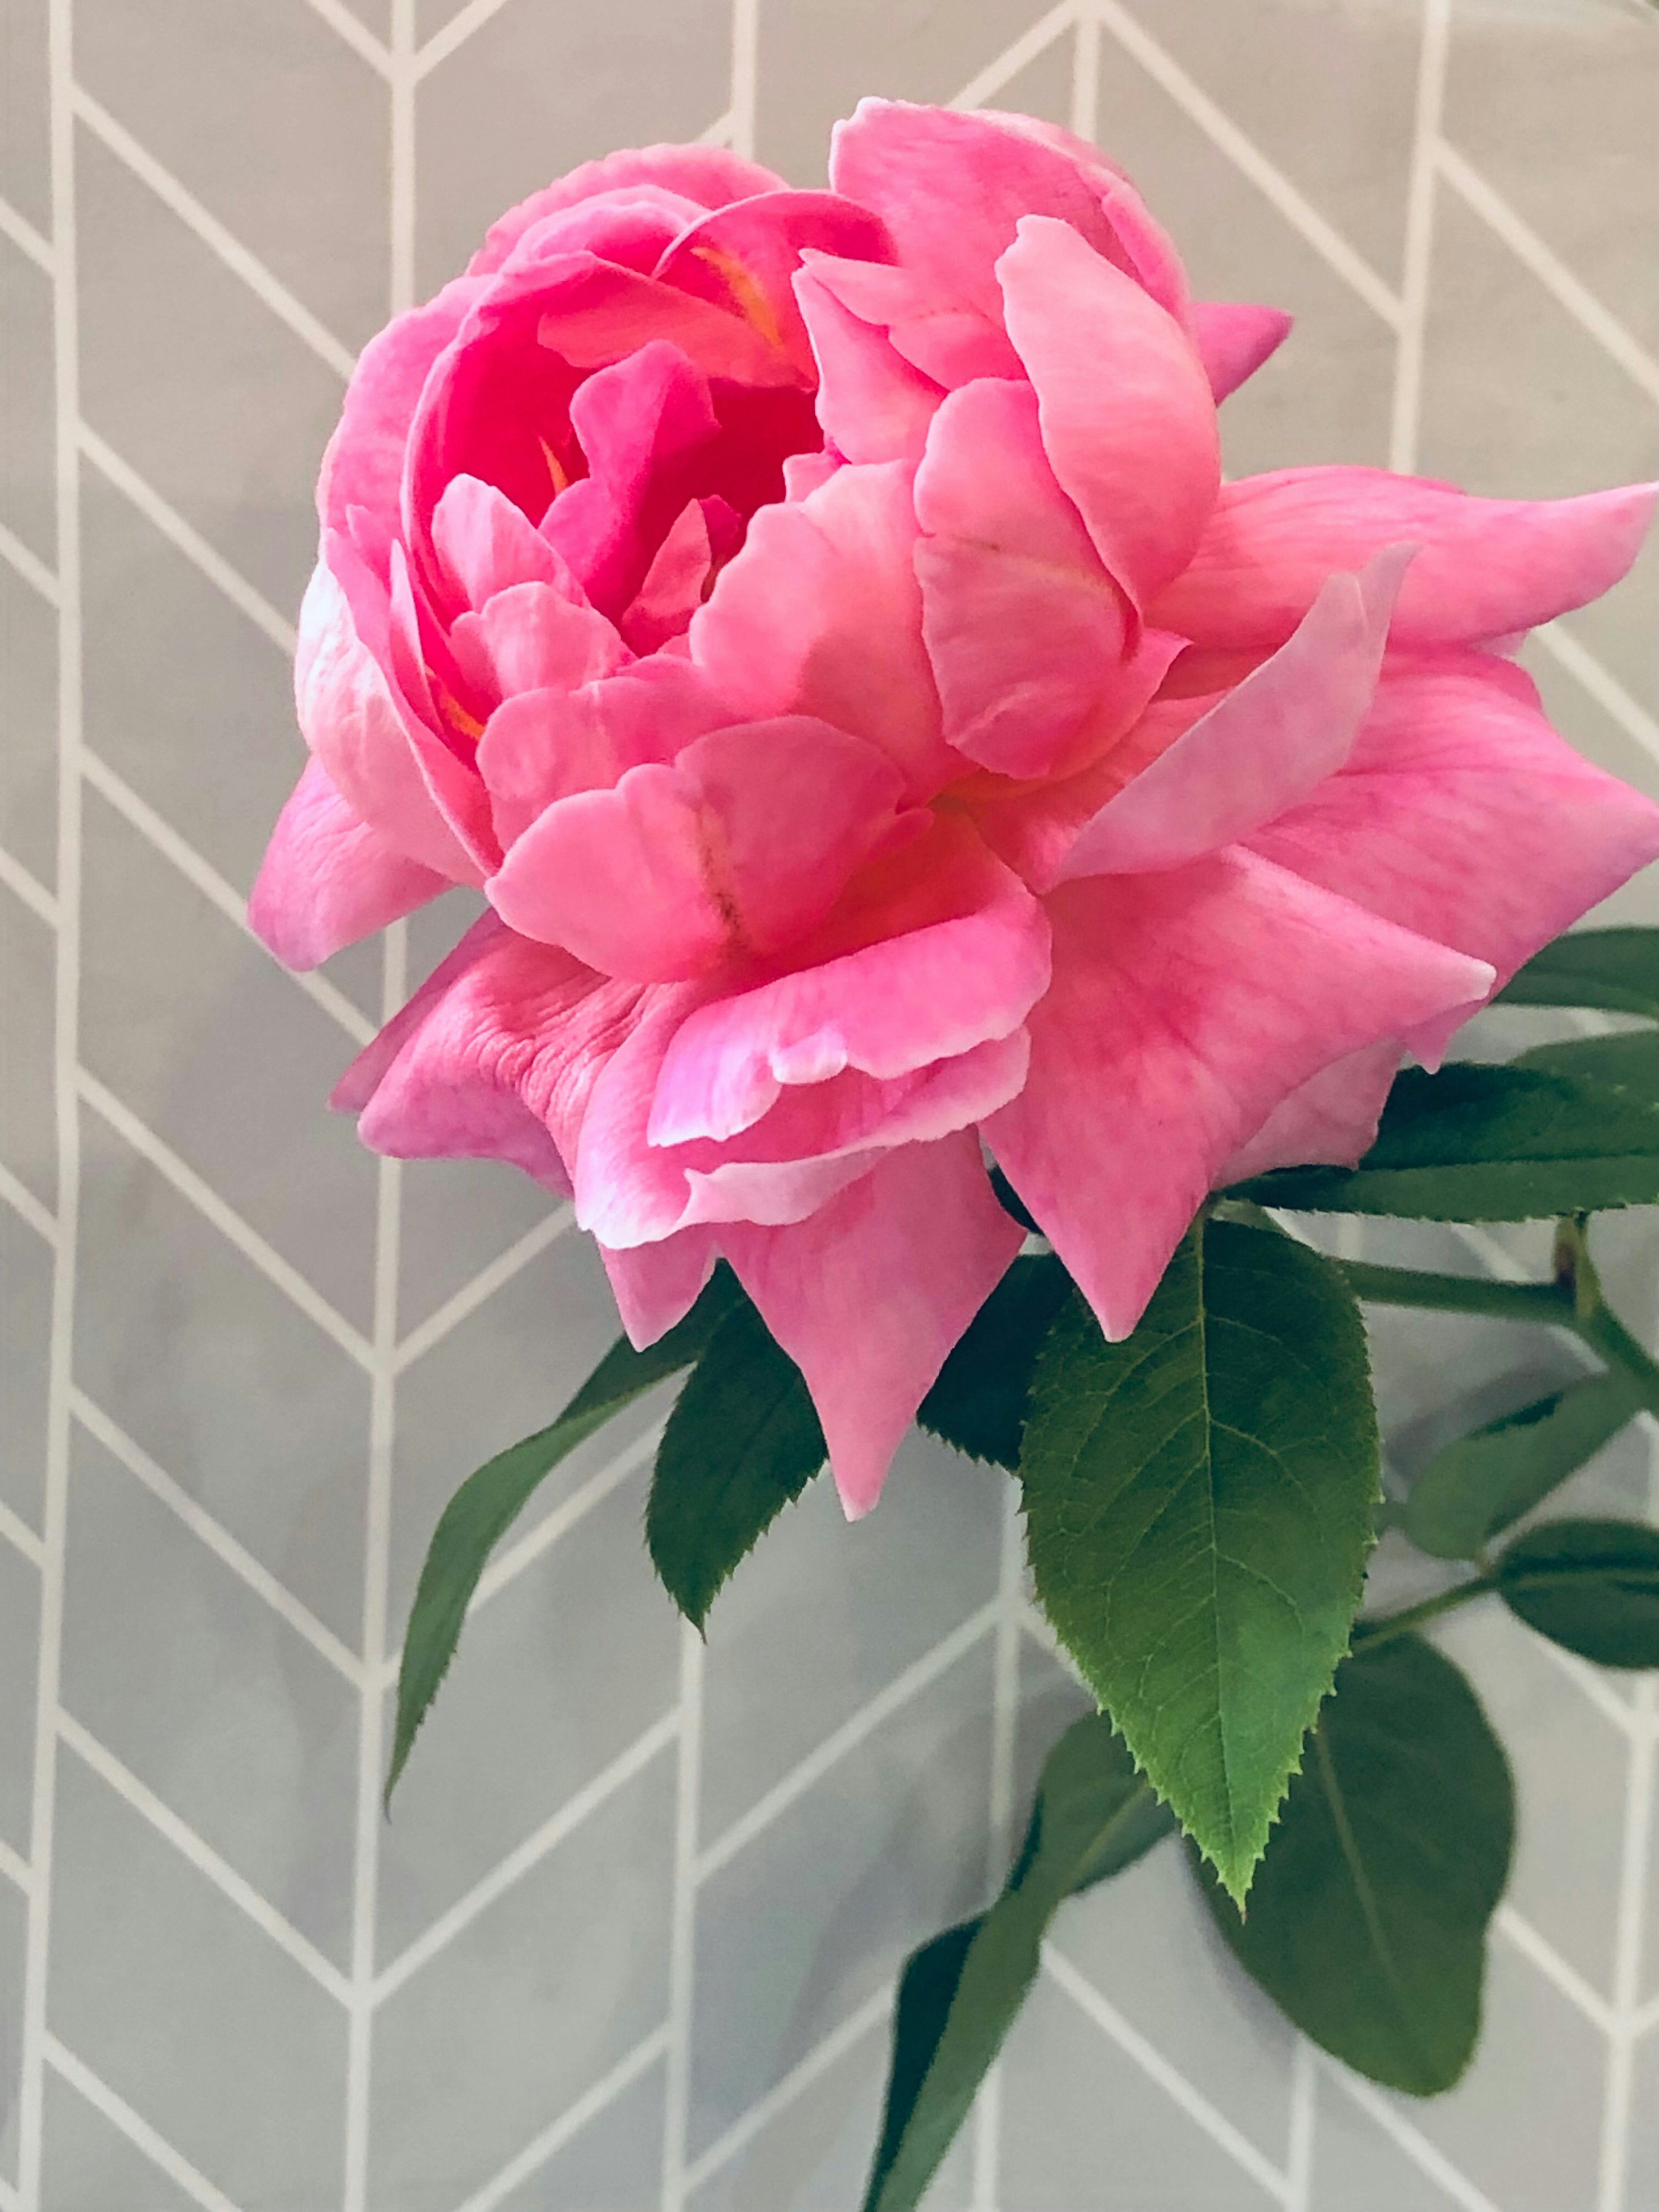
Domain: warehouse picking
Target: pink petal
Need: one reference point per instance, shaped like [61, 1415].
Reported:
[870, 1295]
[673, 587]
[532, 637]
[821, 614]
[442, 737]
[707, 174]
[484, 543]
[1234, 339]
[1263, 746]
[873, 405]
[1127, 419]
[948, 342]
[327, 878]
[1029, 637]
[738, 847]
[595, 314]
[633, 225]
[1461, 815]
[362, 1078]
[657, 1285]
[1327, 1121]
[916, 993]
[1184, 1008]
[1485, 566]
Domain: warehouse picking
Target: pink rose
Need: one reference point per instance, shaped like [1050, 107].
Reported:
[818, 622]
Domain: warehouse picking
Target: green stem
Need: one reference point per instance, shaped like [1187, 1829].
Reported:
[1603, 1331]
[1471, 1294]
[1368, 1634]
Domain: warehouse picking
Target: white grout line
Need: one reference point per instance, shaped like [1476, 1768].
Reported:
[205, 877]
[1609, 693]
[241, 1892]
[29, 565]
[999, 1823]
[682, 1926]
[1419, 235]
[18, 1533]
[454, 34]
[1520, 1934]
[1248, 158]
[1085, 73]
[508, 1872]
[1174, 2084]
[15, 1868]
[482, 1286]
[259, 280]
[25, 237]
[24, 1203]
[28, 889]
[717, 133]
[263, 1256]
[137, 2130]
[189, 540]
[65, 1051]
[547, 2145]
[1615, 339]
[779, 2097]
[1299, 2145]
[869, 1717]
[1010, 62]
[743, 111]
[354, 33]
[216, 1539]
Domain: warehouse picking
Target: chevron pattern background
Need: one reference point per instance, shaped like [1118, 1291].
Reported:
[629, 1944]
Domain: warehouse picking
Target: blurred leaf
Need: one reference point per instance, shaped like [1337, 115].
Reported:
[742, 1442]
[1478, 1143]
[1616, 970]
[1199, 1502]
[1590, 1585]
[489, 1502]
[1368, 1921]
[979, 1401]
[1479, 1485]
[959, 1994]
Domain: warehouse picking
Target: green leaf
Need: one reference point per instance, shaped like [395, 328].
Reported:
[1617, 970]
[742, 1442]
[979, 1401]
[1199, 1502]
[1368, 1921]
[488, 1502]
[959, 1994]
[1629, 1061]
[1478, 1143]
[1479, 1485]
[1591, 1585]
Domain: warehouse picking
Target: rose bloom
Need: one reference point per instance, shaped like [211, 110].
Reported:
[816, 623]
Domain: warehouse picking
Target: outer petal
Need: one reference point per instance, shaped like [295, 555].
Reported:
[738, 847]
[1264, 745]
[327, 878]
[821, 614]
[869, 1296]
[1485, 567]
[1233, 340]
[1329, 1121]
[1127, 419]
[1461, 814]
[873, 405]
[948, 342]
[707, 174]
[657, 1285]
[1184, 1008]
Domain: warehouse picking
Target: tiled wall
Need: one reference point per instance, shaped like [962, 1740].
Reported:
[628, 1944]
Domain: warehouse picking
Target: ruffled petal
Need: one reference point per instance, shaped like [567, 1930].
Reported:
[873, 405]
[707, 174]
[1184, 1008]
[532, 637]
[1234, 339]
[1128, 421]
[1329, 1120]
[948, 342]
[1485, 567]
[484, 544]
[869, 1296]
[327, 878]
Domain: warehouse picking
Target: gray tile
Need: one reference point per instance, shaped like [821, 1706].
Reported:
[272, 122]
[527, 2008]
[217, 1375]
[28, 725]
[459, 1216]
[91, 2167]
[14, 1939]
[1357, 2167]
[1326, 395]
[191, 2015]
[817, 59]
[1642, 2180]
[613, 2165]
[539, 1666]
[28, 1129]
[811, 1915]
[1080, 2119]
[1044, 87]
[535, 90]
[195, 382]
[25, 113]
[26, 1271]
[210, 1699]
[199, 1033]
[20, 1629]
[28, 477]
[822, 1616]
[189, 702]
